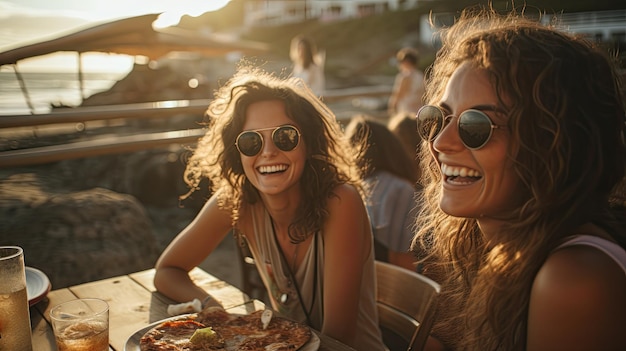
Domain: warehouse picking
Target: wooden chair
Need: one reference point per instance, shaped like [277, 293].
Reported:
[406, 306]
[250, 278]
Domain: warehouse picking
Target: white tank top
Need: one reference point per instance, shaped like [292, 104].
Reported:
[611, 249]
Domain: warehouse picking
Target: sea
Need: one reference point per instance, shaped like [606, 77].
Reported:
[47, 89]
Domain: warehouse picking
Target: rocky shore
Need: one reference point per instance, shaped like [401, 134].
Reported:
[87, 219]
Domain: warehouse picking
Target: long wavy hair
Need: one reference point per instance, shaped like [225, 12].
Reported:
[309, 50]
[566, 126]
[330, 157]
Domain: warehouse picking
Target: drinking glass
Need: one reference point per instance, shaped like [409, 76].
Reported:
[15, 330]
[81, 325]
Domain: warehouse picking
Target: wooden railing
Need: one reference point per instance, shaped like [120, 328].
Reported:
[101, 145]
[102, 113]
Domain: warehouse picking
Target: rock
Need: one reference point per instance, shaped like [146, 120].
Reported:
[75, 236]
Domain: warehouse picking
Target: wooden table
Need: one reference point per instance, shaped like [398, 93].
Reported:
[134, 303]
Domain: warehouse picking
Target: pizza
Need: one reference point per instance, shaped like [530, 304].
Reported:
[214, 329]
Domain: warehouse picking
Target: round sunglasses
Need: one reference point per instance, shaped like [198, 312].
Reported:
[475, 127]
[250, 142]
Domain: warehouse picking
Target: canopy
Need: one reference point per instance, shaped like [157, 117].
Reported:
[133, 36]
[130, 36]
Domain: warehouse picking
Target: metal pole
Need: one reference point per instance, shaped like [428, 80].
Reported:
[20, 79]
[80, 77]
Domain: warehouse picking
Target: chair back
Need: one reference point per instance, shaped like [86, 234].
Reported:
[406, 306]
[250, 278]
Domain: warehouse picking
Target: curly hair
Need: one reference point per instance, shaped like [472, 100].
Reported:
[330, 157]
[566, 125]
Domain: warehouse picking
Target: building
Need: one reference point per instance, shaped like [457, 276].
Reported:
[605, 26]
[278, 12]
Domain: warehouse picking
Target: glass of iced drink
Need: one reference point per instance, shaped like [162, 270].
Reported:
[15, 331]
[81, 325]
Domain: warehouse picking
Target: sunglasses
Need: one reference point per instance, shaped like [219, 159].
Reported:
[475, 127]
[250, 142]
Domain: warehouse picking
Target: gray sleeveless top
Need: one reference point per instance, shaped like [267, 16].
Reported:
[283, 294]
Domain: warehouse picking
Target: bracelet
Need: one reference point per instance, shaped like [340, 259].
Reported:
[206, 300]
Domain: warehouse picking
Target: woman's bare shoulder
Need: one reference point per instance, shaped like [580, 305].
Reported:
[346, 192]
[583, 266]
[347, 212]
[575, 285]
[579, 279]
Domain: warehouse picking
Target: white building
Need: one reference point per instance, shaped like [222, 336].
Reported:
[599, 25]
[276, 12]
[607, 26]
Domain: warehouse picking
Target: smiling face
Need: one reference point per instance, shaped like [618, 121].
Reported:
[272, 171]
[479, 183]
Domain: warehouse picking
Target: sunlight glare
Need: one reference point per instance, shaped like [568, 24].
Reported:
[193, 8]
[93, 62]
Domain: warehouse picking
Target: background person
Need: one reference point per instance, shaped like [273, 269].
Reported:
[286, 184]
[526, 140]
[408, 87]
[391, 201]
[308, 63]
[404, 126]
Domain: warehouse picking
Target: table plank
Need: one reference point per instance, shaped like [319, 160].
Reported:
[226, 294]
[130, 305]
[329, 344]
[42, 335]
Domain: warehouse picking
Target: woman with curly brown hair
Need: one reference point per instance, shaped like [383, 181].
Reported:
[523, 145]
[286, 182]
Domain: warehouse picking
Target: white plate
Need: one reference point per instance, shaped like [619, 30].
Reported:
[132, 344]
[37, 285]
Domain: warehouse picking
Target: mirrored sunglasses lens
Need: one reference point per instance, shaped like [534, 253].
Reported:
[474, 129]
[249, 143]
[429, 122]
[286, 138]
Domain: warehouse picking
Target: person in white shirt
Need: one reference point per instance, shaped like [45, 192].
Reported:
[308, 63]
[408, 87]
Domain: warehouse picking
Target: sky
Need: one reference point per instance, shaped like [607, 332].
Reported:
[25, 21]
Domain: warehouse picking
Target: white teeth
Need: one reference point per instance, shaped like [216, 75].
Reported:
[272, 169]
[458, 171]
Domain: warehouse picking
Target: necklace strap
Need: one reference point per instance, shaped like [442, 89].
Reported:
[292, 277]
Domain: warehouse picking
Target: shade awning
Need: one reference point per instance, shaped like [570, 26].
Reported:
[134, 36]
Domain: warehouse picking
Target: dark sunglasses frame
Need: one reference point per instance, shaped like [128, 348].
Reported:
[274, 139]
[442, 120]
